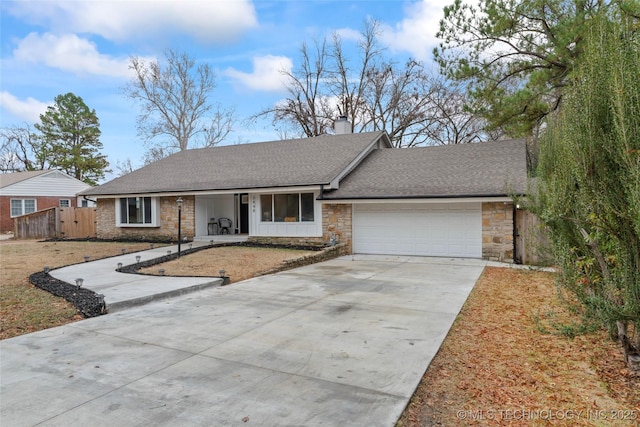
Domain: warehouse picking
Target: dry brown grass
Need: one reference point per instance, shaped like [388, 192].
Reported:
[25, 308]
[239, 262]
[496, 361]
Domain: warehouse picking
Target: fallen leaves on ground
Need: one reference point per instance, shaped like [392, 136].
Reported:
[502, 364]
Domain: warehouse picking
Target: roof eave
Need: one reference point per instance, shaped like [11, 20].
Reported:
[383, 138]
[427, 197]
[167, 193]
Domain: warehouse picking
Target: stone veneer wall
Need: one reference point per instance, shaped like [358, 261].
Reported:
[497, 231]
[168, 229]
[337, 221]
[322, 255]
[287, 241]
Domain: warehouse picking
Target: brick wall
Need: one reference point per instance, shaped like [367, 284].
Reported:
[169, 217]
[42, 203]
[497, 231]
[168, 229]
[336, 220]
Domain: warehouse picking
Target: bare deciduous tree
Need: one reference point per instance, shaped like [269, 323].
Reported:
[308, 110]
[124, 167]
[373, 93]
[174, 100]
[21, 150]
[451, 122]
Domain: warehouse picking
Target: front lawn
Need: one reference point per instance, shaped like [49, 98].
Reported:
[25, 308]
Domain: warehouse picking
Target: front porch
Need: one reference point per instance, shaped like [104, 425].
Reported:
[218, 215]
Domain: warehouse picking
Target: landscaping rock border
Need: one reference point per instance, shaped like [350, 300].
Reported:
[86, 301]
[91, 304]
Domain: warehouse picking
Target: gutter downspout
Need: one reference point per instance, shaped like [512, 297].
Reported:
[516, 258]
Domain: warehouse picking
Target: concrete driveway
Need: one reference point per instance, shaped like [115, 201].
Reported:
[344, 342]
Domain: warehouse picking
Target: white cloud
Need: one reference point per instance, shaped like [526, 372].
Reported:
[416, 33]
[349, 34]
[142, 20]
[71, 53]
[266, 74]
[28, 109]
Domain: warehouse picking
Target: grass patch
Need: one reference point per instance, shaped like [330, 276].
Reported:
[238, 262]
[25, 308]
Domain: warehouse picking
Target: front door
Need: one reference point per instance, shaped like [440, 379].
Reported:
[244, 213]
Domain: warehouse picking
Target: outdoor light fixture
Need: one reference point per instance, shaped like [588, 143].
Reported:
[222, 272]
[86, 258]
[119, 266]
[79, 282]
[138, 258]
[46, 269]
[179, 201]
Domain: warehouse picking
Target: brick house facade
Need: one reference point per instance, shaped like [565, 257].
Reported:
[34, 191]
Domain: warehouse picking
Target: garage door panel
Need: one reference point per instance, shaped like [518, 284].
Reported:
[446, 229]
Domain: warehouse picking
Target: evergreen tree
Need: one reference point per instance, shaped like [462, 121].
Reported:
[516, 56]
[589, 180]
[71, 133]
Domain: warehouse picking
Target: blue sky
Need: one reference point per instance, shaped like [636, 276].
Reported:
[51, 47]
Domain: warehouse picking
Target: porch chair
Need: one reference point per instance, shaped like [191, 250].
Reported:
[224, 225]
[212, 226]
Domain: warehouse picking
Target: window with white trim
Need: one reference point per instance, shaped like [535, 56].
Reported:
[137, 211]
[22, 206]
[288, 207]
[65, 203]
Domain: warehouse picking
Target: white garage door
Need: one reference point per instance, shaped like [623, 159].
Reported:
[437, 229]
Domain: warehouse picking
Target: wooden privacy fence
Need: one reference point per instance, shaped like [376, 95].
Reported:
[56, 223]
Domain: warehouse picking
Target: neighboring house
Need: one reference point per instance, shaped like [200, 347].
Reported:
[354, 188]
[25, 192]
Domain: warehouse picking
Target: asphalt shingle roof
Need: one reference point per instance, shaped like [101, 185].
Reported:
[298, 162]
[483, 169]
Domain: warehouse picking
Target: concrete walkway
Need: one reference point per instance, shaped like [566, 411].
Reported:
[344, 342]
[123, 290]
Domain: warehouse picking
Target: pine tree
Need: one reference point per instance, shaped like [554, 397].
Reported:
[71, 132]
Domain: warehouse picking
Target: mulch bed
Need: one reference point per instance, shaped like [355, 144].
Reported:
[87, 302]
